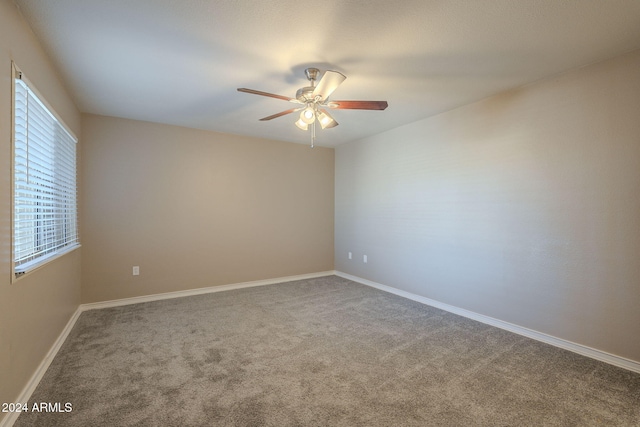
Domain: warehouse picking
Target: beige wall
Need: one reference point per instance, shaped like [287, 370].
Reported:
[196, 208]
[34, 310]
[524, 207]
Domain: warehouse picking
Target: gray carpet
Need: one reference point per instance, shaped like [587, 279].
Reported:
[319, 352]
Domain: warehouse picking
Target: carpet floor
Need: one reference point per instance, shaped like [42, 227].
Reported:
[319, 352]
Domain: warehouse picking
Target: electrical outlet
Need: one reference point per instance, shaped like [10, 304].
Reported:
[350, 255]
[136, 270]
[364, 259]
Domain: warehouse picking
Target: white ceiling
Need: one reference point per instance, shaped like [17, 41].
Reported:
[180, 62]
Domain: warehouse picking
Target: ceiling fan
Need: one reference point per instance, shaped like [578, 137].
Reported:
[313, 100]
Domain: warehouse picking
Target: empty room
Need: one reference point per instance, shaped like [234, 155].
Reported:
[338, 213]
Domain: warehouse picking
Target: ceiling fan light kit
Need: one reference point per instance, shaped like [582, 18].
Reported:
[326, 121]
[308, 115]
[314, 97]
[302, 125]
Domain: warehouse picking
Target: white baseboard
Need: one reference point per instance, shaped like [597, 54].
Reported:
[200, 291]
[539, 336]
[28, 390]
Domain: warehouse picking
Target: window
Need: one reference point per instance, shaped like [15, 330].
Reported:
[44, 181]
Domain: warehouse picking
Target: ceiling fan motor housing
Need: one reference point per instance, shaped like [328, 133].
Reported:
[305, 94]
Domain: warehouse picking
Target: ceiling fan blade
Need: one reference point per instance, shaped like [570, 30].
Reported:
[358, 105]
[280, 114]
[272, 95]
[328, 83]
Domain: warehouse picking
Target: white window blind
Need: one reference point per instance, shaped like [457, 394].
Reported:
[45, 195]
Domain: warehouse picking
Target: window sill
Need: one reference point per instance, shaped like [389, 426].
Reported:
[30, 267]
